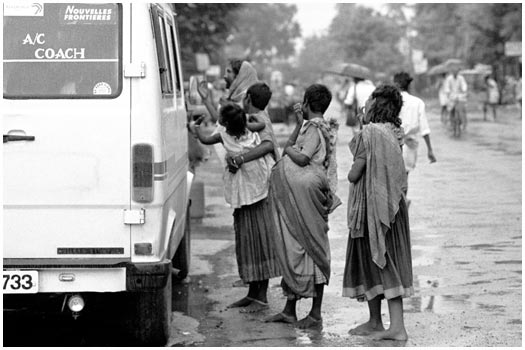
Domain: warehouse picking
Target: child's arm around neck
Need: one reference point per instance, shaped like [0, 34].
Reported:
[255, 124]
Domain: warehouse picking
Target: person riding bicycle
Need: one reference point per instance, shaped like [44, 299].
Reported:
[456, 90]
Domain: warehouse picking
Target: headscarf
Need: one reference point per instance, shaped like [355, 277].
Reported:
[247, 77]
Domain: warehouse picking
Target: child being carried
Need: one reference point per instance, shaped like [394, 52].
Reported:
[250, 183]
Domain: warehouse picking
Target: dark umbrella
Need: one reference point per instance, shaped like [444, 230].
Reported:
[353, 70]
[446, 66]
[357, 71]
[439, 69]
[451, 62]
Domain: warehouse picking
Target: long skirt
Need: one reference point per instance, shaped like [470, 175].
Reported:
[256, 259]
[364, 280]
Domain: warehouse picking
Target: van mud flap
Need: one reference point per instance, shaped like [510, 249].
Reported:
[147, 276]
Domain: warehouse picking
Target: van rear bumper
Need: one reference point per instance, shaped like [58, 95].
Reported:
[120, 275]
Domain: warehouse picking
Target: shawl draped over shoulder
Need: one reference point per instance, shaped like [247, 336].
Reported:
[374, 199]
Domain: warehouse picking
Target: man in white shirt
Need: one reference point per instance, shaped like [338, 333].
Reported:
[358, 93]
[414, 123]
[455, 88]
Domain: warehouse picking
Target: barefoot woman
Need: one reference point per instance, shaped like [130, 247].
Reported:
[379, 262]
[301, 200]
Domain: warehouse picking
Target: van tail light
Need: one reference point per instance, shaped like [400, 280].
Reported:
[142, 173]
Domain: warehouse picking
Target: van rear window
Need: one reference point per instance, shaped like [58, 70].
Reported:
[62, 50]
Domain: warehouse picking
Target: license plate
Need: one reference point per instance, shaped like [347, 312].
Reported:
[20, 282]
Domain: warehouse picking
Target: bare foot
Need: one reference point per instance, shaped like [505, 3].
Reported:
[389, 334]
[241, 303]
[367, 328]
[309, 322]
[281, 317]
[255, 306]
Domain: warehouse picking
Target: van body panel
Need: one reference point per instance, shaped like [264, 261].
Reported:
[167, 135]
[67, 188]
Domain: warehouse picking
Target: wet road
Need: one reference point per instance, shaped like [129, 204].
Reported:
[465, 219]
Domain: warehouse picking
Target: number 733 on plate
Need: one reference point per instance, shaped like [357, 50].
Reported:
[20, 282]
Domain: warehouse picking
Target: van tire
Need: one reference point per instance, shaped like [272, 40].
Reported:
[152, 316]
[182, 257]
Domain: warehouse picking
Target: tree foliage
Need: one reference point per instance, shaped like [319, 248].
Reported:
[493, 25]
[441, 31]
[367, 37]
[203, 27]
[359, 35]
[265, 31]
[473, 32]
[318, 55]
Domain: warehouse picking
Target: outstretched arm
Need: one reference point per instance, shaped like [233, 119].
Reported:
[204, 92]
[206, 139]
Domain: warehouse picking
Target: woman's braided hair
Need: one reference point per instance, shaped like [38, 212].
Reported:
[386, 105]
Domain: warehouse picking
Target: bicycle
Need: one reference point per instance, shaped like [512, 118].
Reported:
[455, 121]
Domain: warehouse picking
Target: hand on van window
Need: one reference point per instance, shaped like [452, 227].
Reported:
[200, 120]
[203, 90]
[195, 123]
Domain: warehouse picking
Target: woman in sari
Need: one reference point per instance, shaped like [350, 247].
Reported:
[378, 261]
[239, 76]
[301, 199]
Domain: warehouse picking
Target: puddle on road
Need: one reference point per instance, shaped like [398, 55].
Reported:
[320, 338]
[307, 337]
[436, 303]
[424, 255]
[439, 304]
[191, 298]
[518, 262]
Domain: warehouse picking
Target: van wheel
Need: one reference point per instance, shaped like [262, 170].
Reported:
[181, 259]
[152, 316]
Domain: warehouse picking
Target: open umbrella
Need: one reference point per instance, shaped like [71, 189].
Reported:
[445, 67]
[438, 69]
[357, 71]
[353, 70]
[453, 62]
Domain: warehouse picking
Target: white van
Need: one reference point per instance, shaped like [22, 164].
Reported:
[95, 156]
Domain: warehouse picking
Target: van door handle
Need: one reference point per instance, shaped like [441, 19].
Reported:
[8, 138]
